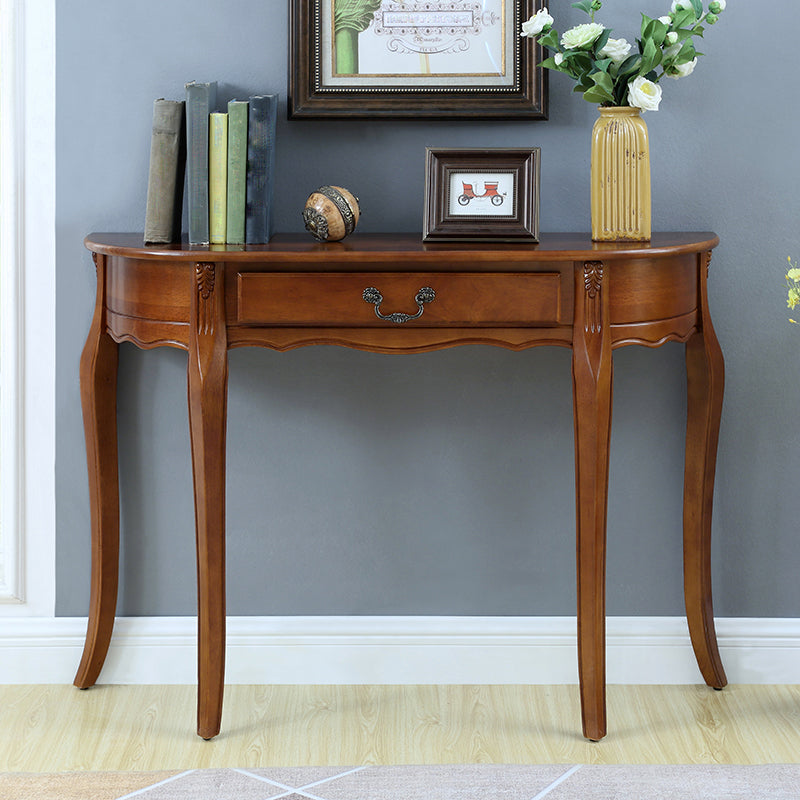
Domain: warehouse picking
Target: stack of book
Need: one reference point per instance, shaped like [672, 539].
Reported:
[230, 166]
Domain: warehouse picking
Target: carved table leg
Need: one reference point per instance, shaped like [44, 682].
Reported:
[98, 379]
[706, 378]
[592, 384]
[208, 387]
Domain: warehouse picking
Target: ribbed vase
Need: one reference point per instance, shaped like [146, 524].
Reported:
[620, 176]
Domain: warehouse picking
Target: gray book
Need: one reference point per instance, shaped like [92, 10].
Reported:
[165, 179]
[201, 100]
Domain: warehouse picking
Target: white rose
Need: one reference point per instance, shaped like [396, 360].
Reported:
[682, 70]
[665, 20]
[558, 58]
[644, 94]
[672, 37]
[537, 23]
[684, 4]
[581, 36]
[616, 49]
[722, 4]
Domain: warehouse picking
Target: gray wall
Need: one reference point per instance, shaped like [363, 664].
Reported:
[439, 483]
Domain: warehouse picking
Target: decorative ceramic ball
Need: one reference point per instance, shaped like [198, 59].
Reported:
[331, 213]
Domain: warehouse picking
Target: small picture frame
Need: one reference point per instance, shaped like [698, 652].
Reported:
[482, 194]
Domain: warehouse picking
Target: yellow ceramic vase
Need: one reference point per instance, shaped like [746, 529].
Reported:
[620, 176]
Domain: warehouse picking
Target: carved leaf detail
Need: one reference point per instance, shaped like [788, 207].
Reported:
[592, 282]
[205, 280]
[205, 275]
[592, 277]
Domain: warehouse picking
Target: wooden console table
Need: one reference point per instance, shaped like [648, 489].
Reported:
[392, 294]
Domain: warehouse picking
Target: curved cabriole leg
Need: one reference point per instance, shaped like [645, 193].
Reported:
[207, 390]
[98, 381]
[705, 371]
[592, 384]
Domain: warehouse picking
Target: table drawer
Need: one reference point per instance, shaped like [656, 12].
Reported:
[457, 299]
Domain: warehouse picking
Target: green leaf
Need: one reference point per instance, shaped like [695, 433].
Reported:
[645, 25]
[583, 5]
[684, 33]
[597, 96]
[601, 40]
[658, 32]
[579, 60]
[629, 65]
[683, 18]
[697, 5]
[686, 53]
[549, 39]
[604, 64]
[550, 63]
[621, 94]
[604, 83]
[651, 57]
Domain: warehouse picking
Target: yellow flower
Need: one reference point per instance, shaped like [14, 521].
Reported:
[793, 285]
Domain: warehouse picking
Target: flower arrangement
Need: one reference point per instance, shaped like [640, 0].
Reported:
[793, 286]
[606, 70]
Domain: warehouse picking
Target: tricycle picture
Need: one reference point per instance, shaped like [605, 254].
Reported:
[489, 190]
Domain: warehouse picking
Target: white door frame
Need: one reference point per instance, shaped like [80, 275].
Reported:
[27, 316]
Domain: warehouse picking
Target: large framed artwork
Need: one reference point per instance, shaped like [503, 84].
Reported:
[456, 59]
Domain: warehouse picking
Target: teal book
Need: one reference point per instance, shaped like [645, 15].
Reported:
[201, 100]
[237, 169]
[262, 118]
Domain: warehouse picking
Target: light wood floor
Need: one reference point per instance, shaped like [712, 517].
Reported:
[55, 728]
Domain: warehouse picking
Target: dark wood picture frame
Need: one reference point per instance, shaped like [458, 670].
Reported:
[315, 94]
[504, 207]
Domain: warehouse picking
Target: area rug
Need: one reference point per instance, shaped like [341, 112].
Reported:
[460, 782]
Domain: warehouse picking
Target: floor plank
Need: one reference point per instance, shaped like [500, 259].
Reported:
[55, 728]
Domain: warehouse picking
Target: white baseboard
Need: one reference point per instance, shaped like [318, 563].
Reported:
[399, 650]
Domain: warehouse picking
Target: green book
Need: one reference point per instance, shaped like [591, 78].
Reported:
[237, 169]
[217, 177]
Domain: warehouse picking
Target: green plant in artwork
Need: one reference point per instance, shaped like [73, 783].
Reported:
[793, 286]
[350, 18]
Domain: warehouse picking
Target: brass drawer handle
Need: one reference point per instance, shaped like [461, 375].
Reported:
[373, 296]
